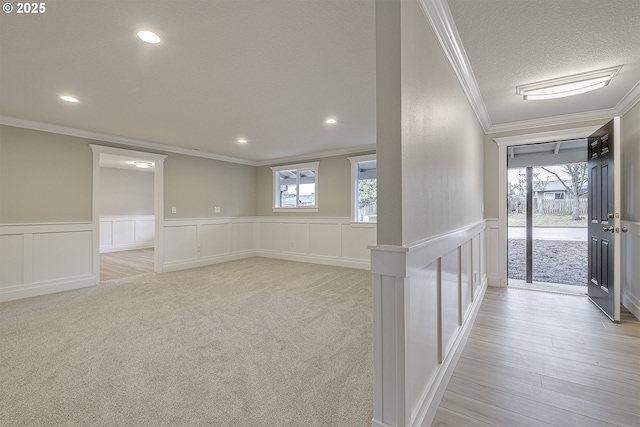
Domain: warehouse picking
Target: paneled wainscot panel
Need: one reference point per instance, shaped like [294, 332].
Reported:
[180, 243]
[38, 259]
[422, 293]
[243, 236]
[126, 232]
[11, 260]
[332, 241]
[631, 267]
[215, 239]
[269, 236]
[58, 255]
[423, 352]
[294, 237]
[450, 297]
[324, 240]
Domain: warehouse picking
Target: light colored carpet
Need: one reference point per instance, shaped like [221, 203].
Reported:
[256, 342]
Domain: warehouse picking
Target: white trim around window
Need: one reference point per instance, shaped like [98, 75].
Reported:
[301, 174]
[355, 173]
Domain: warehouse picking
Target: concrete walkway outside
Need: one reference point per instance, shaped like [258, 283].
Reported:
[550, 233]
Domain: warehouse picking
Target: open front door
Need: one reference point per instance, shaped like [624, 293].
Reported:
[604, 219]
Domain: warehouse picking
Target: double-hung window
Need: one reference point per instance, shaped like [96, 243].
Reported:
[364, 189]
[296, 187]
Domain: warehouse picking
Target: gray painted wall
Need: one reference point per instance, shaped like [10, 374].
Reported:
[432, 131]
[196, 185]
[442, 156]
[389, 122]
[631, 165]
[125, 192]
[44, 177]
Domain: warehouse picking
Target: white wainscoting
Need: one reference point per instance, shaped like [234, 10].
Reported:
[425, 297]
[199, 242]
[126, 232]
[630, 266]
[332, 241]
[37, 259]
[494, 275]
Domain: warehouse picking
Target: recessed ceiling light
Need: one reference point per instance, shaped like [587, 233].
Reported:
[567, 86]
[242, 141]
[143, 165]
[68, 98]
[331, 121]
[148, 36]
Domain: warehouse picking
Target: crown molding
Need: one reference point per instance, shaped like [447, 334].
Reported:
[629, 100]
[564, 119]
[439, 16]
[320, 155]
[129, 142]
[554, 135]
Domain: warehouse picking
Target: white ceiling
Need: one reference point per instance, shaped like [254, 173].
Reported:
[273, 71]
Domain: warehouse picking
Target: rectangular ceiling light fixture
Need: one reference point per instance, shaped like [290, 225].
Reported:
[567, 86]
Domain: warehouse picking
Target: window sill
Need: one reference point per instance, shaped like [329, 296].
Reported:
[363, 224]
[295, 209]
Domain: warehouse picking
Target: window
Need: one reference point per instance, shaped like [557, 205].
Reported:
[550, 195]
[364, 189]
[296, 187]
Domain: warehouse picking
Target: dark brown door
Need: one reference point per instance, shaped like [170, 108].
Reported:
[603, 222]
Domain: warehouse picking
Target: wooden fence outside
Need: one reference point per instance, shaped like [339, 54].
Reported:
[552, 207]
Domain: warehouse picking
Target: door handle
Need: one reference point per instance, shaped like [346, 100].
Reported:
[624, 229]
[609, 229]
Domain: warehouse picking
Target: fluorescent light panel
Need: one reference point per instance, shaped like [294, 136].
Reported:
[567, 86]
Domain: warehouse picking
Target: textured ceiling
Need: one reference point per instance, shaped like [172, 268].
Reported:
[511, 43]
[272, 71]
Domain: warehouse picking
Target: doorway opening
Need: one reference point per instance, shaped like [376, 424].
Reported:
[127, 212]
[547, 203]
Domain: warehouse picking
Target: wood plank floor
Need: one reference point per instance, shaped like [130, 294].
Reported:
[115, 265]
[543, 359]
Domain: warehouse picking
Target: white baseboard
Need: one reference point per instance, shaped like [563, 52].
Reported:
[131, 247]
[203, 262]
[36, 289]
[632, 304]
[493, 280]
[315, 259]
